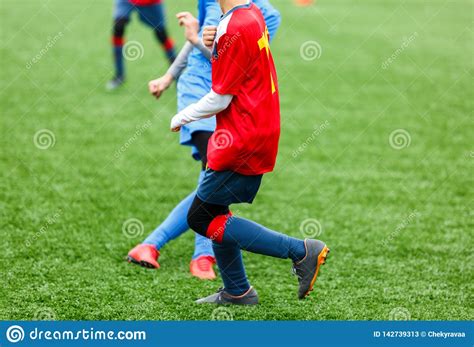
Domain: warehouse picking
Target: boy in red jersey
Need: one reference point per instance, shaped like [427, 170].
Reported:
[244, 97]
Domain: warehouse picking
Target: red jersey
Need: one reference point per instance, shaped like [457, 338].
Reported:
[144, 2]
[248, 130]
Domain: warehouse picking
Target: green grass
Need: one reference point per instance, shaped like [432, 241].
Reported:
[399, 222]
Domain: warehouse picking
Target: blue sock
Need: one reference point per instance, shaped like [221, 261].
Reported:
[173, 226]
[118, 59]
[229, 261]
[202, 246]
[255, 238]
[171, 55]
[176, 224]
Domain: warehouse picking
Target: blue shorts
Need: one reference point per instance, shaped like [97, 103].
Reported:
[228, 187]
[191, 88]
[151, 15]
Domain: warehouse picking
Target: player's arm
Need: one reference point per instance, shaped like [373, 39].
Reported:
[191, 32]
[227, 78]
[181, 61]
[204, 50]
[213, 15]
[209, 105]
[159, 85]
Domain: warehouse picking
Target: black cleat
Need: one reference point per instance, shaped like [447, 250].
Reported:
[307, 268]
[250, 297]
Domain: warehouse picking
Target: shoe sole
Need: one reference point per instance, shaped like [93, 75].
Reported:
[321, 261]
[142, 263]
[204, 278]
[208, 277]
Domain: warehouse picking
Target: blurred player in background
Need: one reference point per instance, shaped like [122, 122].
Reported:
[151, 13]
[304, 3]
[194, 82]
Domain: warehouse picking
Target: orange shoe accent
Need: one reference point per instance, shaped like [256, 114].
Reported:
[321, 261]
[202, 267]
[144, 255]
[303, 3]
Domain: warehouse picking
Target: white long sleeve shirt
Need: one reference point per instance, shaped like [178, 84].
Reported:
[209, 105]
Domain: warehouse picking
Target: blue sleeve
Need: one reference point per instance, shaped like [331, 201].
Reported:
[270, 14]
[213, 13]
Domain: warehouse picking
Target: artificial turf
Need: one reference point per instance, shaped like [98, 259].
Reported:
[375, 146]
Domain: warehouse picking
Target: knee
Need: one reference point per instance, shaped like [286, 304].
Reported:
[119, 26]
[197, 218]
[208, 220]
[193, 222]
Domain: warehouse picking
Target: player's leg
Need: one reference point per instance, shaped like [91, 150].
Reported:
[223, 188]
[176, 224]
[202, 262]
[248, 235]
[146, 254]
[154, 17]
[307, 255]
[190, 89]
[229, 258]
[121, 16]
[237, 289]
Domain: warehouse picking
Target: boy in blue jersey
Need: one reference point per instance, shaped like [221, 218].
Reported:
[193, 83]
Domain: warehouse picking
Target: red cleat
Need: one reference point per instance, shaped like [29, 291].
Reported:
[202, 267]
[144, 255]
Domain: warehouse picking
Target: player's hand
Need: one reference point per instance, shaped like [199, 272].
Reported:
[175, 125]
[191, 26]
[158, 86]
[208, 35]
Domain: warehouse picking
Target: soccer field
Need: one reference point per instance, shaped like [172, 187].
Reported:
[375, 159]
